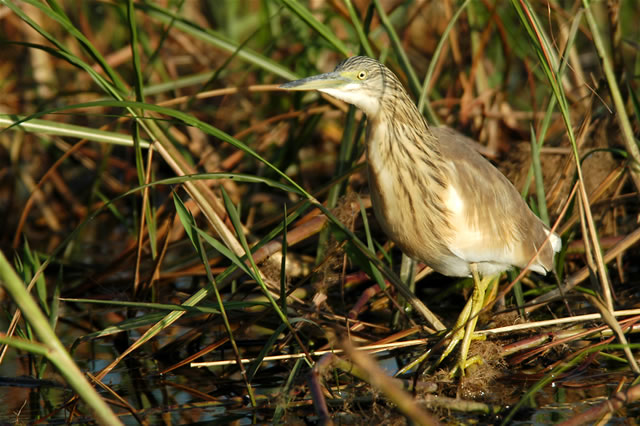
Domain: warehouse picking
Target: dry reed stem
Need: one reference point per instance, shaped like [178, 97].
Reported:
[583, 274]
[377, 378]
[610, 320]
[384, 344]
[317, 394]
[563, 337]
[610, 406]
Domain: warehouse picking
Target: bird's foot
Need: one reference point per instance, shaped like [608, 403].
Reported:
[464, 330]
[463, 360]
[466, 324]
[464, 364]
[458, 331]
[455, 339]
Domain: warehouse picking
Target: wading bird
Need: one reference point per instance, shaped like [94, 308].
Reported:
[440, 201]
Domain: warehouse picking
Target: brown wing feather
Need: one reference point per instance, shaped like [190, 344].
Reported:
[502, 211]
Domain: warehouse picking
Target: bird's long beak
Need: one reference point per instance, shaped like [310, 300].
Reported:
[330, 80]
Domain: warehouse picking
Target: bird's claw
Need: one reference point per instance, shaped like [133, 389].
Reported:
[464, 364]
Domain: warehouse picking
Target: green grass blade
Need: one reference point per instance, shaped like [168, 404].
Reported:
[414, 83]
[549, 64]
[303, 13]
[635, 101]
[47, 127]
[28, 346]
[423, 102]
[30, 264]
[362, 37]
[137, 67]
[537, 172]
[546, 121]
[282, 405]
[60, 17]
[374, 270]
[283, 264]
[614, 90]
[56, 353]
[139, 92]
[217, 40]
[189, 222]
[75, 61]
[264, 351]
[235, 220]
[186, 118]
[201, 309]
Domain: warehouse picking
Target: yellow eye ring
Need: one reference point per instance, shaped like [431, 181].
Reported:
[362, 75]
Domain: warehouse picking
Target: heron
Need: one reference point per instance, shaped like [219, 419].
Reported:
[433, 194]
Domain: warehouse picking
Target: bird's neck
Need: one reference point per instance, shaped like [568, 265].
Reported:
[398, 126]
[400, 143]
[400, 108]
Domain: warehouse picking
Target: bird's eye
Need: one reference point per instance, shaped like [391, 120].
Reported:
[362, 75]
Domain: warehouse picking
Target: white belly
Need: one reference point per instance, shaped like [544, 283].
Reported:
[413, 228]
[443, 212]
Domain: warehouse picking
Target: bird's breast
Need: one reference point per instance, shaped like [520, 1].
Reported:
[409, 208]
[448, 207]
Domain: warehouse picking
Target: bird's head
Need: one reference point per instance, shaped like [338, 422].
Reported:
[358, 80]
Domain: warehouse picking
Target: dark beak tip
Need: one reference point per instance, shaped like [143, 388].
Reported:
[288, 85]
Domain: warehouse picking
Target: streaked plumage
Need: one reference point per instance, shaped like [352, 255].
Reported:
[438, 199]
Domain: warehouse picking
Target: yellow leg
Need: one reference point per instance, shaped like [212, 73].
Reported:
[456, 335]
[464, 327]
[477, 300]
[458, 330]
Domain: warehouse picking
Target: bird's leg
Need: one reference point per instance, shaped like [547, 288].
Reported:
[456, 334]
[477, 300]
[466, 323]
[458, 330]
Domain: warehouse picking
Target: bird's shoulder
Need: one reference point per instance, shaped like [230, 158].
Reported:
[472, 174]
[459, 147]
[482, 200]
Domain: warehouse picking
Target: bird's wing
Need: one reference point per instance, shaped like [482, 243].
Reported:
[492, 222]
